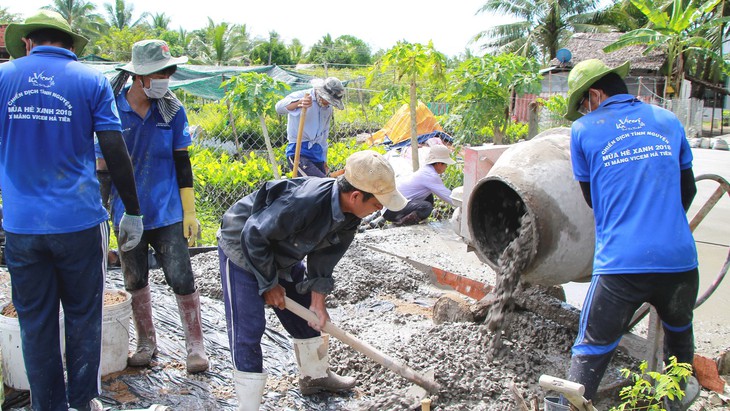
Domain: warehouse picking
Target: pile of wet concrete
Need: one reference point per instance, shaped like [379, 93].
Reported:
[388, 303]
[378, 298]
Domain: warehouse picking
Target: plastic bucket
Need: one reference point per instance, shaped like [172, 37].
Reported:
[553, 404]
[13, 366]
[115, 333]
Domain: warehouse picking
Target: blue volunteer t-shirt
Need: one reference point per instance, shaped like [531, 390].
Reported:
[150, 142]
[50, 106]
[632, 154]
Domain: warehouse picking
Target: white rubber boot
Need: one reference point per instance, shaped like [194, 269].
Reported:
[315, 374]
[249, 389]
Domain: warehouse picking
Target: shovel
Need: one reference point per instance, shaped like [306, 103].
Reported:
[426, 382]
[572, 391]
[300, 132]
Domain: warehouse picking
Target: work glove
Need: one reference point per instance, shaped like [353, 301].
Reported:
[190, 222]
[130, 231]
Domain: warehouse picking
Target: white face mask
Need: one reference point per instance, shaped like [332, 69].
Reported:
[158, 88]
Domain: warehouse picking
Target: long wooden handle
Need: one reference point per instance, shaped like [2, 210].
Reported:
[572, 391]
[298, 150]
[365, 348]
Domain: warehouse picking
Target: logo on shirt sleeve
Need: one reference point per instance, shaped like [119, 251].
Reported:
[114, 108]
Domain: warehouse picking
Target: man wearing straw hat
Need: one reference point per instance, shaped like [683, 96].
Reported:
[56, 228]
[156, 132]
[634, 166]
[316, 104]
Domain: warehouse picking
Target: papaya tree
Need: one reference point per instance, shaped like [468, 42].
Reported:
[412, 62]
[481, 89]
[256, 95]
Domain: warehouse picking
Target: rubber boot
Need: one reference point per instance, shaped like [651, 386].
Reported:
[691, 388]
[315, 374]
[94, 405]
[589, 370]
[189, 307]
[146, 337]
[249, 389]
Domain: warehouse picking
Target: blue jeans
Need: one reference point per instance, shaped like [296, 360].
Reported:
[171, 252]
[245, 316]
[610, 303]
[47, 270]
[308, 168]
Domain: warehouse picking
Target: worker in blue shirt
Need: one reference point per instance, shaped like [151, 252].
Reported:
[55, 225]
[634, 166]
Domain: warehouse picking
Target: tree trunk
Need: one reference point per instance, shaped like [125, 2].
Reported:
[269, 149]
[414, 126]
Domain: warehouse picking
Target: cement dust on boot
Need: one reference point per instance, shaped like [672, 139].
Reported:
[145, 328]
[249, 389]
[313, 360]
[189, 308]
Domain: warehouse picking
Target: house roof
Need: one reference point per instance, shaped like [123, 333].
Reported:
[585, 46]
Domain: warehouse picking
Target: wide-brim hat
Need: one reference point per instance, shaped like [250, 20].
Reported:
[43, 19]
[330, 89]
[151, 56]
[439, 153]
[582, 77]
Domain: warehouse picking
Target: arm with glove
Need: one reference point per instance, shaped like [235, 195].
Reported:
[121, 172]
[187, 195]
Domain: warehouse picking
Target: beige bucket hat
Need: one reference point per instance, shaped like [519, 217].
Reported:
[43, 19]
[439, 154]
[150, 56]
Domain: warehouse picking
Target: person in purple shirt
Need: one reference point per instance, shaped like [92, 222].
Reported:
[419, 188]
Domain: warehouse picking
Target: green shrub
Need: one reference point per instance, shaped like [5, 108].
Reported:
[650, 388]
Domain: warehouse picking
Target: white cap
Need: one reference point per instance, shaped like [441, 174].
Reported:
[439, 154]
[368, 171]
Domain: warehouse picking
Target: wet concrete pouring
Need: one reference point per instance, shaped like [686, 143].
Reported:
[382, 300]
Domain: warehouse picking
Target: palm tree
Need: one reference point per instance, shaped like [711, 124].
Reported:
[80, 14]
[160, 22]
[218, 44]
[120, 15]
[542, 28]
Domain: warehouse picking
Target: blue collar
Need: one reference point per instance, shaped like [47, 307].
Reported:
[619, 98]
[53, 50]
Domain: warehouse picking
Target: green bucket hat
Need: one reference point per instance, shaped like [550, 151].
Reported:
[150, 56]
[43, 19]
[582, 77]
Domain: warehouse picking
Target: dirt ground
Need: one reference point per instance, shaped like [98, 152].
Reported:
[387, 303]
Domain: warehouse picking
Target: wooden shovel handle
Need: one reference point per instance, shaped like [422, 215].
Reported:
[298, 149]
[365, 348]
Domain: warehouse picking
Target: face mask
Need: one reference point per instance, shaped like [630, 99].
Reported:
[158, 88]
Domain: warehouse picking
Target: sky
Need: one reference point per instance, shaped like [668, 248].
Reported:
[380, 23]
